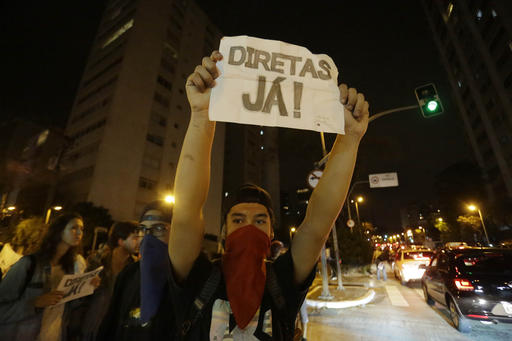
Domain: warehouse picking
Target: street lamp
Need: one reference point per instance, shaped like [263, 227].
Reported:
[292, 231]
[169, 199]
[440, 220]
[11, 208]
[473, 208]
[49, 213]
[358, 200]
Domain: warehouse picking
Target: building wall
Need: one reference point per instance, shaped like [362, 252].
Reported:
[131, 113]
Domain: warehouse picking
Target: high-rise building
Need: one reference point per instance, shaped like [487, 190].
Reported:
[131, 112]
[474, 39]
[252, 156]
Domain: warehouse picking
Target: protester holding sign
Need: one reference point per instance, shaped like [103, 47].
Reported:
[244, 295]
[29, 301]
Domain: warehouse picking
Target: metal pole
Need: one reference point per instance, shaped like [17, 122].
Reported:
[358, 219]
[371, 119]
[337, 254]
[483, 225]
[326, 295]
[357, 211]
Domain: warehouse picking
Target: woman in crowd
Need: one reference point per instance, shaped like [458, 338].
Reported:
[29, 308]
[26, 240]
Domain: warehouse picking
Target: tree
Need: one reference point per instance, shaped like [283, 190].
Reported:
[447, 232]
[355, 249]
[94, 216]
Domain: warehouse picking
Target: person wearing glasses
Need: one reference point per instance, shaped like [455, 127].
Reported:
[139, 308]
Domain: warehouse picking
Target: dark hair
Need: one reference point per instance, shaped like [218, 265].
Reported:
[158, 205]
[53, 237]
[250, 193]
[122, 230]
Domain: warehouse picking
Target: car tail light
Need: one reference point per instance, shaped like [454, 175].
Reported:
[463, 284]
[479, 316]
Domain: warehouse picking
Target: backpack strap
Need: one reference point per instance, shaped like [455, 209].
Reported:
[201, 301]
[274, 289]
[276, 293]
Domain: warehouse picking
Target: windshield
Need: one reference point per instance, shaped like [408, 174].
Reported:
[418, 255]
[488, 262]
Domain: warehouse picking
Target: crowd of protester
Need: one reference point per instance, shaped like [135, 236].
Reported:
[170, 289]
[38, 255]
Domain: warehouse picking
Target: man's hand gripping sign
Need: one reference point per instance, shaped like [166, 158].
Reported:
[271, 83]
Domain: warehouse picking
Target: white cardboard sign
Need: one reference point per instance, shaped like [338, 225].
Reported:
[271, 83]
[76, 286]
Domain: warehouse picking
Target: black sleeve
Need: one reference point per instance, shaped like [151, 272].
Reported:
[108, 327]
[293, 294]
[183, 294]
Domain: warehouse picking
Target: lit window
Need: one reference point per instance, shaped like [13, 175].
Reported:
[479, 14]
[118, 33]
[261, 132]
[494, 14]
[262, 147]
[459, 83]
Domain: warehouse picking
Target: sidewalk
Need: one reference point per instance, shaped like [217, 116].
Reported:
[357, 291]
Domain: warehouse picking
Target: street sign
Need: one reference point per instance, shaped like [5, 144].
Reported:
[313, 177]
[383, 180]
[351, 223]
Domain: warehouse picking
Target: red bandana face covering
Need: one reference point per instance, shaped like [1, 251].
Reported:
[243, 265]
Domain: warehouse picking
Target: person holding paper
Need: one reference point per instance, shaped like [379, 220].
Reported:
[244, 295]
[29, 308]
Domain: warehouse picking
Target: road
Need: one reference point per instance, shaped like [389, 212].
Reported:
[397, 313]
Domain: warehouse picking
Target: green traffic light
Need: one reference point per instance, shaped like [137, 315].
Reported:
[432, 106]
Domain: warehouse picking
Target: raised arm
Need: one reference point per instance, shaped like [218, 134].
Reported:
[328, 197]
[193, 173]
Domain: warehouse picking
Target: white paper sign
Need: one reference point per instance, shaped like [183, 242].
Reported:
[76, 286]
[7, 258]
[271, 83]
[383, 180]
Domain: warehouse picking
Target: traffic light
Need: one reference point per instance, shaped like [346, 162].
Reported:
[428, 100]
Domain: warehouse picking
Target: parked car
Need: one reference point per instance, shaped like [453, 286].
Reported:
[474, 283]
[455, 245]
[407, 264]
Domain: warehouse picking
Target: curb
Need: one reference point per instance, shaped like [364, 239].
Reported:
[365, 299]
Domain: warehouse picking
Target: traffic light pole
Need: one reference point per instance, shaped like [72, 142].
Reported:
[391, 111]
[326, 295]
[372, 118]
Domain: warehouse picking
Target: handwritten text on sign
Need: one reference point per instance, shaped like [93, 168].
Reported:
[76, 286]
[271, 83]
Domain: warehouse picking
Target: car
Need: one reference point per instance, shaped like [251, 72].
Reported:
[407, 264]
[473, 283]
[456, 245]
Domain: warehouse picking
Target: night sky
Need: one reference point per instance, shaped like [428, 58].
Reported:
[383, 48]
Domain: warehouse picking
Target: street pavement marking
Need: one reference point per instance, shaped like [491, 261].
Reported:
[420, 292]
[395, 296]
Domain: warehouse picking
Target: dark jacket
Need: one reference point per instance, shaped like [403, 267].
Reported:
[122, 320]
